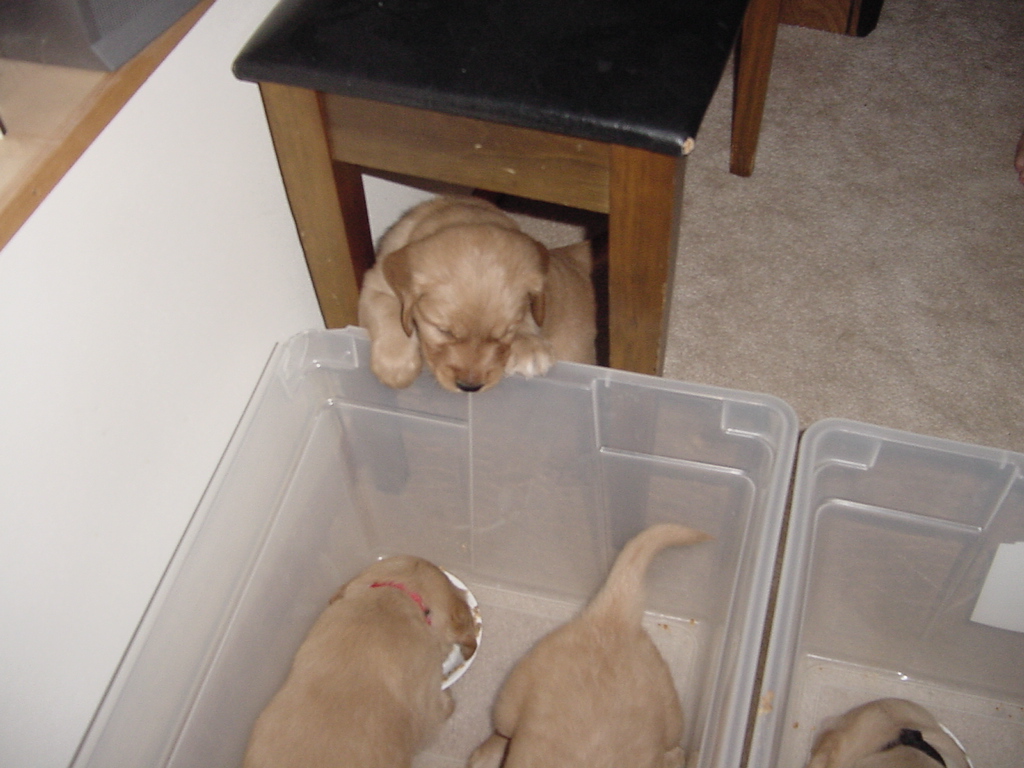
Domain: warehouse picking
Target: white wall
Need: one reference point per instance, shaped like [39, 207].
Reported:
[137, 308]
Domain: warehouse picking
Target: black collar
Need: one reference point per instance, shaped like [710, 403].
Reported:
[912, 738]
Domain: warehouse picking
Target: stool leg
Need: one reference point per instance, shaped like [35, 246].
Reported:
[643, 229]
[753, 66]
[326, 199]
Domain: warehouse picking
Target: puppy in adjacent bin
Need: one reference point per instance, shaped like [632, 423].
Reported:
[365, 688]
[595, 692]
[887, 733]
[458, 285]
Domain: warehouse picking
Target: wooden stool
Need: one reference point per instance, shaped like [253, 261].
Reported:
[592, 105]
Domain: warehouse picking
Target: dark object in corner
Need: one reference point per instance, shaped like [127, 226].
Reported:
[91, 34]
[844, 17]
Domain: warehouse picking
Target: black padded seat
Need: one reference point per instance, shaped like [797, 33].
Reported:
[633, 72]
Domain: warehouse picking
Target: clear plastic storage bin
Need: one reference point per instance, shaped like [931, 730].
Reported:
[525, 492]
[891, 539]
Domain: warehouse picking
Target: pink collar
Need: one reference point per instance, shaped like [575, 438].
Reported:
[417, 598]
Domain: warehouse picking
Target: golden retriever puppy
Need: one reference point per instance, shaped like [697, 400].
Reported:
[887, 733]
[595, 693]
[458, 285]
[365, 686]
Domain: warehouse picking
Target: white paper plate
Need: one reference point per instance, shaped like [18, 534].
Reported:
[955, 739]
[455, 666]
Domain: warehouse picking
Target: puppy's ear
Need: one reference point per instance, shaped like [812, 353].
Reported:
[538, 307]
[581, 253]
[398, 273]
[538, 302]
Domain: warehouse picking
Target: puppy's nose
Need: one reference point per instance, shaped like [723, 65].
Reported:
[469, 386]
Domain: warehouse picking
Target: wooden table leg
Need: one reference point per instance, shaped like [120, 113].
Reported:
[643, 229]
[753, 66]
[326, 199]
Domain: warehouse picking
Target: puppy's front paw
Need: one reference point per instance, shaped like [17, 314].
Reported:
[530, 356]
[395, 360]
[675, 758]
[447, 704]
[490, 754]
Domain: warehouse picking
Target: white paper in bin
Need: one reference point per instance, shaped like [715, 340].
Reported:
[890, 538]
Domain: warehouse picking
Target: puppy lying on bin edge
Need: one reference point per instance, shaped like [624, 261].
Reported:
[365, 688]
[595, 693]
[457, 284]
[887, 733]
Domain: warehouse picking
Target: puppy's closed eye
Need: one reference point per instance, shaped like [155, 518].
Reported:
[398, 272]
[439, 329]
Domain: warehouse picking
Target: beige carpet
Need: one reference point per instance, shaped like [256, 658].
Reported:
[873, 266]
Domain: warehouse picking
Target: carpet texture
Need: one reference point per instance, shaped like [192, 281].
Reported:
[872, 268]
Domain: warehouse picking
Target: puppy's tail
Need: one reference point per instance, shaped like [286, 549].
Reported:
[623, 594]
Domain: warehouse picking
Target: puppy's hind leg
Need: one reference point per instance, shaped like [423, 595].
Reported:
[490, 754]
[507, 708]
